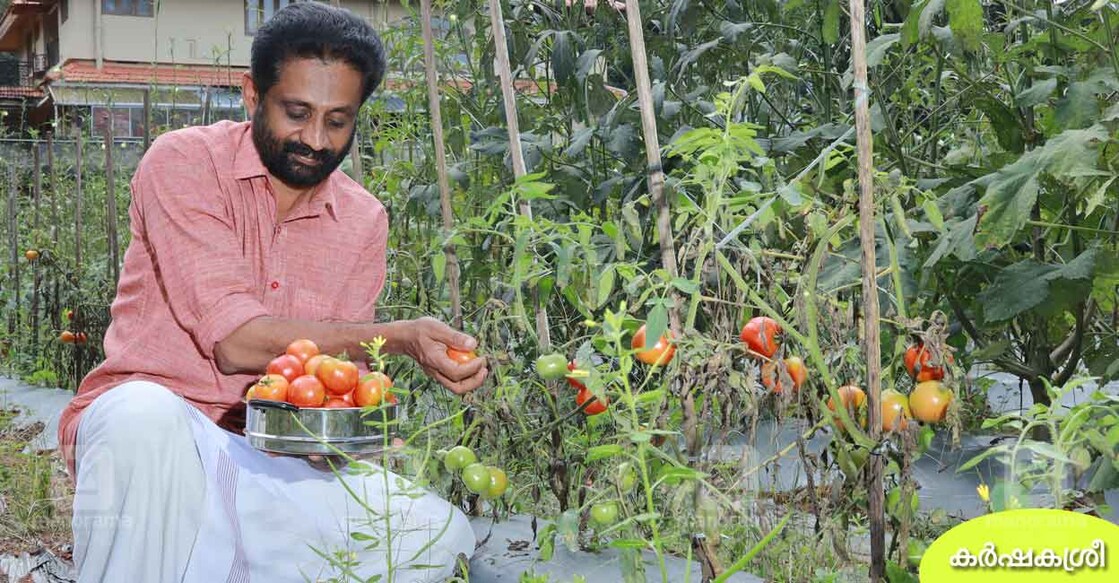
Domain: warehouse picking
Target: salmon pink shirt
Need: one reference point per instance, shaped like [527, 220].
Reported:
[207, 255]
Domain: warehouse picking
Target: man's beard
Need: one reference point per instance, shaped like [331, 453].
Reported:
[279, 157]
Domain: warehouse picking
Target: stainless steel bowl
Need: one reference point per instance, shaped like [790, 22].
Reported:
[281, 427]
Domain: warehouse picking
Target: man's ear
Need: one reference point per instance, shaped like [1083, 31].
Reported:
[249, 95]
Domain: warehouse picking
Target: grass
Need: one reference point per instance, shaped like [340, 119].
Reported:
[35, 497]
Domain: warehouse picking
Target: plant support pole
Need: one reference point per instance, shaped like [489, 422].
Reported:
[441, 161]
[111, 206]
[505, 74]
[876, 501]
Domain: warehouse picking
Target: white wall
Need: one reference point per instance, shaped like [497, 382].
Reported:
[183, 31]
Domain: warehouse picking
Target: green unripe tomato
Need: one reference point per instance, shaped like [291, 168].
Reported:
[604, 513]
[476, 477]
[459, 457]
[627, 476]
[551, 367]
[498, 483]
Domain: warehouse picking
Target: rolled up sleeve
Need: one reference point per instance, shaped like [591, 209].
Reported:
[189, 233]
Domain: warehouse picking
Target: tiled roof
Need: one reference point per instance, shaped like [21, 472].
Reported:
[81, 71]
[13, 92]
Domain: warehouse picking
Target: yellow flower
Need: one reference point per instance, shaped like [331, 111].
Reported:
[984, 492]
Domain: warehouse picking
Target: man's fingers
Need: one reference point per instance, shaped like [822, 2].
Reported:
[461, 387]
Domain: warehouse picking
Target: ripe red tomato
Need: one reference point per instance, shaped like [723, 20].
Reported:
[270, 387]
[336, 403]
[772, 375]
[306, 391]
[574, 382]
[660, 354]
[391, 398]
[461, 356]
[349, 398]
[313, 363]
[760, 335]
[338, 376]
[917, 359]
[929, 401]
[303, 349]
[854, 400]
[67, 337]
[598, 406]
[80, 338]
[286, 365]
[372, 390]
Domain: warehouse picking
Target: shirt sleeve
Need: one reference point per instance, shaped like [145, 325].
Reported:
[366, 282]
[195, 250]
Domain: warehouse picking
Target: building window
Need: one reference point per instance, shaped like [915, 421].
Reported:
[257, 12]
[128, 7]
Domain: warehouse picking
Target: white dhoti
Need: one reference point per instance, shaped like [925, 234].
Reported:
[165, 495]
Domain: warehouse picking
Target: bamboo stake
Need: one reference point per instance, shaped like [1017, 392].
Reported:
[55, 317]
[147, 118]
[13, 243]
[863, 140]
[76, 275]
[505, 73]
[441, 161]
[653, 151]
[111, 207]
[38, 195]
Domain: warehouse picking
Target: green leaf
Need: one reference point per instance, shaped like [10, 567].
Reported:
[928, 16]
[1047, 450]
[1008, 201]
[1079, 107]
[958, 241]
[605, 287]
[932, 212]
[1005, 124]
[655, 324]
[547, 542]
[971, 463]
[1038, 93]
[563, 56]
[628, 543]
[439, 265]
[909, 30]
[830, 30]
[579, 142]
[965, 18]
[599, 452]
[1083, 267]
[897, 574]
[585, 63]
[876, 49]
[1017, 288]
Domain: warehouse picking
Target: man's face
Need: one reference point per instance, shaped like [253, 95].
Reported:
[304, 125]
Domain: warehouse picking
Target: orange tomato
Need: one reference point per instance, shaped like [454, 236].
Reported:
[372, 390]
[929, 401]
[270, 387]
[760, 335]
[286, 365]
[31, 254]
[303, 349]
[313, 363]
[461, 356]
[659, 354]
[338, 376]
[67, 337]
[336, 403]
[793, 366]
[895, 411]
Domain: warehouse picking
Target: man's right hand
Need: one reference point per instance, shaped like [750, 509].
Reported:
[428, 342]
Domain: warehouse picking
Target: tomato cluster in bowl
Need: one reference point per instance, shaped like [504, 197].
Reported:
[307, 378]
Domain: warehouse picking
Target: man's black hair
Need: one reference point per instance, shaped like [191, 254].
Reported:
[317, 30]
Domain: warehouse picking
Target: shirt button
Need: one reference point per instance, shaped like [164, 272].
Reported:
[275, 285]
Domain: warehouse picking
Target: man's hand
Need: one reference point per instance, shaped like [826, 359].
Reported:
[428, 346]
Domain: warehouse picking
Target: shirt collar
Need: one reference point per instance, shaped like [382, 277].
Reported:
[247, 164]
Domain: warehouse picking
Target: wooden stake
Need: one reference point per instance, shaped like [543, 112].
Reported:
[147, 118]
[653, 151]
[76, 275]
[505, 74]
[13, 243]
[111, 207]
[440, 161]
[56, 319]
[37, 190]
[863, 140]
